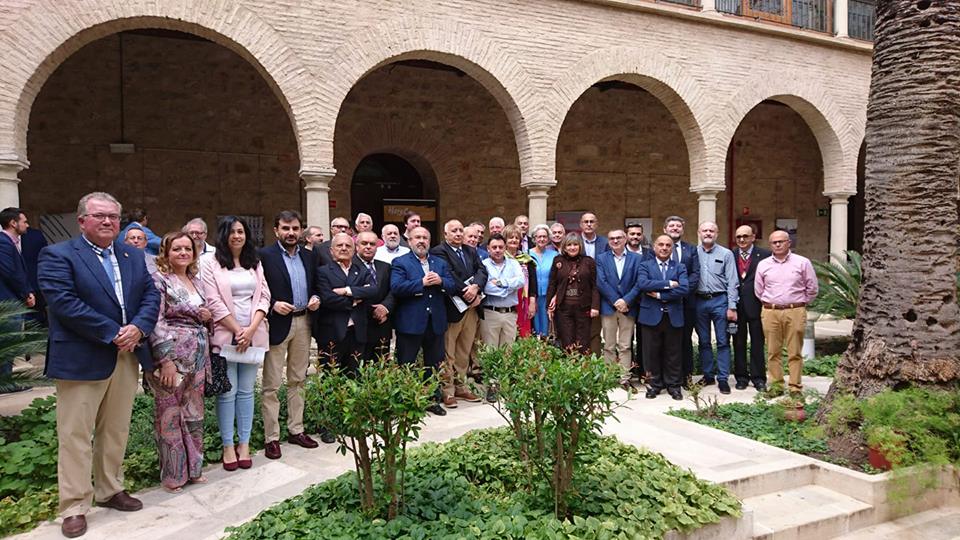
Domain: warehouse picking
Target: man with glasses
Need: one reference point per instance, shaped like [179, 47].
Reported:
[339, 225]
[748, 256]
[196, 229]
[785, 283]
[616, 279]
[102, 305]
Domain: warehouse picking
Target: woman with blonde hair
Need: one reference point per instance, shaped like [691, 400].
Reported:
[527, 305]
[573, 293]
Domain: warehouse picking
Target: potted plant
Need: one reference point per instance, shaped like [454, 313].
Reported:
[886, 447]
[793, 407]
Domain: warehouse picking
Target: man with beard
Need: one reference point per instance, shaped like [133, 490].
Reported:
[419, 282]
[685, 254]
[290, 273]
[391, 248]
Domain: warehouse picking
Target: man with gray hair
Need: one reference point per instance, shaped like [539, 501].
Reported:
[391, 248]
[196, 229]
[312, 237]
[496, 225]
[718, 292]
[363, 223]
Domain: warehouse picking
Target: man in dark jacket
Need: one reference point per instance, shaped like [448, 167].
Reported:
[379, 328]
[748, 256]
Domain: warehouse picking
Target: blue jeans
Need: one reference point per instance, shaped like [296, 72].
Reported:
[713, 310]
[237, 404]
[541, 323]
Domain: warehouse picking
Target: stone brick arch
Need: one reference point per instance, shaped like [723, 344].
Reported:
[836, 136]
[48, 33]
[665, 79]
[447, 42]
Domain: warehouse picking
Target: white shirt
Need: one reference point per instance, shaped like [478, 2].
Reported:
[243, 283]
[386, 255]
[619, 261]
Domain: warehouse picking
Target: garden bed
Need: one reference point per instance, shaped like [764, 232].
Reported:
[471, 487]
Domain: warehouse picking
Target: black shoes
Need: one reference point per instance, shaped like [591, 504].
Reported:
[327, 436]
[761, 387]
[707, 381]
[437, 409]
[724, 387]
[676, 394]
[741, 385]
[652, 393]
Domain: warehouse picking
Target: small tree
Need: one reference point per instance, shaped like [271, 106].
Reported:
[374, 416]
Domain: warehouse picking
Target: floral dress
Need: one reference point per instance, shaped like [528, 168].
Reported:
[181, 337]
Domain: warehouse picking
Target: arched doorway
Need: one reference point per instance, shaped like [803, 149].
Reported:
[384, 183]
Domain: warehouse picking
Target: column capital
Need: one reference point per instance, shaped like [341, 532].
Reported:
[319, 178]
[839, 198]
[11, 163]
[537, 191]
[707, 194]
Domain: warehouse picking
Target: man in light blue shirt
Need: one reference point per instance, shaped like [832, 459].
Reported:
[504, 279]
[717, 297]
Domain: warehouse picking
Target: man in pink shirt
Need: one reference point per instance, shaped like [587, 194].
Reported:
[785, 283]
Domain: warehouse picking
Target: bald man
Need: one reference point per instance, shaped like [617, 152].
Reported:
[717, 297]
[748, 314]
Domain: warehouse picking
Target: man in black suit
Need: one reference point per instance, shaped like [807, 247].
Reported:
[462, 304]
[346, 289]
[748, 314]
[337, 225]
[685, 254]
[31, 243]
[379, 329]
[290, 273]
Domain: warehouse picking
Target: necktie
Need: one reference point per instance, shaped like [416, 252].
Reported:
[373, 272]
[107, 265]
[745, 255]
[460, 254]
[663, 270]
[676, 254]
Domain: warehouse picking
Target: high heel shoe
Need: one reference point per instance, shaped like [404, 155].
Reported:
[244, 463]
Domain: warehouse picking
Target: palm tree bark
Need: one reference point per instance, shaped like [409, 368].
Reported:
[907, 330]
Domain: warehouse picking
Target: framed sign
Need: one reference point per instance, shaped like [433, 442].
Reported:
[570, 220]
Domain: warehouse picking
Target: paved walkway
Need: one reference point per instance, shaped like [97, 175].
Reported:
[203, 511]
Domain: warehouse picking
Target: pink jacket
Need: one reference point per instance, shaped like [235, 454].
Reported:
[216, 289]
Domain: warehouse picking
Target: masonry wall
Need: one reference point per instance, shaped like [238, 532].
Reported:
[211, 138]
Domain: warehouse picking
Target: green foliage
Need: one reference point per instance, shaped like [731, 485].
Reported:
[28, 449]
[821, 366]
[839, 286]
[555, 401]
[19, 337]
[763, 421]
[374, 416]
[19, 514]
[473, 487]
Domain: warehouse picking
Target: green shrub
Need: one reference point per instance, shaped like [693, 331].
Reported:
[19, 514]
[28, 449]
[472, 488]
[821, 366]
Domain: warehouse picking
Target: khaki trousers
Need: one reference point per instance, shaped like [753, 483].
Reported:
[498, 329]
[784, 327]
[458, 341]
[294, 354]
[102, 409]
[618, 341]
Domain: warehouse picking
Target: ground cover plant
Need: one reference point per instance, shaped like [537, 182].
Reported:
[473, 487]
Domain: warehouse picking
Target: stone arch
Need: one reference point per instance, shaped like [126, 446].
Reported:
[45, 35]
[665, 79]
[447, 42]
[836, 136]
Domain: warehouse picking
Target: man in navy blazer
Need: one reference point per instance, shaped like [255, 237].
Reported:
[31, 242]
[290, 273]
[686, 254]
[593, 245]
[14, 279]
[102, 305]
[345, 291]
[664, 284]
[616, 280]
[420, 282]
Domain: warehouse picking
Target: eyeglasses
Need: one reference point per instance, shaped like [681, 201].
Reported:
[743, 236]
[339, 226]
[778, 242]
[104, 217]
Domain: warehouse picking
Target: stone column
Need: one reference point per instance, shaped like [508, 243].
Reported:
[840, 18]
[9, 182]
[317, 185]
[838, 227]
[537, 200]
[707, 207]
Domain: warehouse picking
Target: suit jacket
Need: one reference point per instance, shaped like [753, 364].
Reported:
[670, 302]
[416, 303]
[384, 294]
[31, 243]
[613, 288]
[461, 273]
[336, 311]
[601, 244]
[14, 279]
[691, 263]
[749, 306]
[322, 252]
[216, 289]
[85, 313]
[281, 290]
[562, 269]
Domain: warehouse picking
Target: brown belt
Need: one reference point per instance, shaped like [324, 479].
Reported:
[782, 306]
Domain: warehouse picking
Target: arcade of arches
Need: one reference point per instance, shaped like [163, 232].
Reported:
[208, 135]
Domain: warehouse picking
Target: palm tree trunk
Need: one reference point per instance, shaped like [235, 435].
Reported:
[907, 330]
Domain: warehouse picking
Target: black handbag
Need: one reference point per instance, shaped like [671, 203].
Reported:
[219, 383]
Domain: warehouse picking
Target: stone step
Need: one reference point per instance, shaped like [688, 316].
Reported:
[808, 512]
[937, 524]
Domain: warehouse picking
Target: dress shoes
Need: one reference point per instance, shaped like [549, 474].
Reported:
[467, 395]
[437, 410]
[741, 385]
[652, 393]
[761, 387]
[230, 466]
[724, 387]
[74, 526]
[272, 450]
[244, 463]
[327, 436]
[122, 502]
[302, 439]
[676, 394]
[707, 381]
[450, 402]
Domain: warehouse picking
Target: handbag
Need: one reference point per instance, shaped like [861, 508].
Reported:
[219, 383]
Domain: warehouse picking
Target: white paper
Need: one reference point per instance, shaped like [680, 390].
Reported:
[460, 304]
[253, 355]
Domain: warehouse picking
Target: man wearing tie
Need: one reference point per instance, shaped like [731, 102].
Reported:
[470, 276]
[664, 284]
[616, 279]
[379, 329]
[748, 314]
[419, 282]
[14, 278]
[102, 305]
[685, 254]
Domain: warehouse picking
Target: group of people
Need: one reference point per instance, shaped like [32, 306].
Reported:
[200, 318]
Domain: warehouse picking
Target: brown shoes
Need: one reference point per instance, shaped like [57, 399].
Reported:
[450, 402]
[272, 450]
[302, 439]
[74, 526]
[467, 395]
[122, 502]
